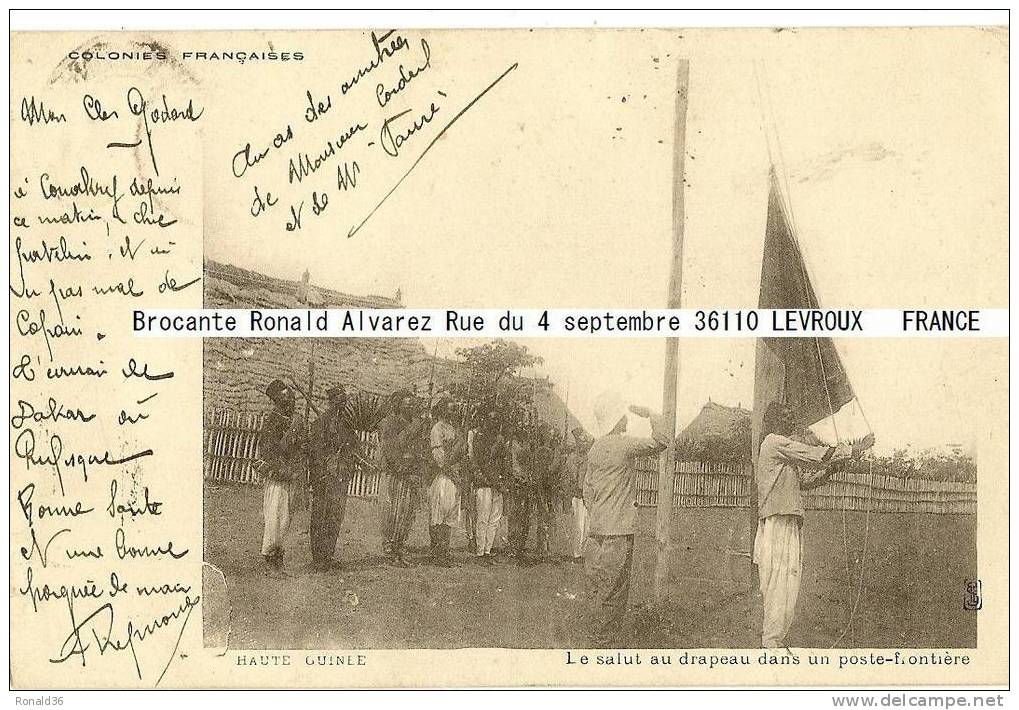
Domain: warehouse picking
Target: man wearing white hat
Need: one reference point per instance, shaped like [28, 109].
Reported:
[611, 500]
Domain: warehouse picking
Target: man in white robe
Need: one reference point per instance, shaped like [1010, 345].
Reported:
[489, 457]
[784, 468]
[449, 453]
[281, 468]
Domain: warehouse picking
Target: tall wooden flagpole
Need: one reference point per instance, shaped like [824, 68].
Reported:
[666, 477]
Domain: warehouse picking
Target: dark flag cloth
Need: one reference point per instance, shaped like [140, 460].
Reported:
[805, 373]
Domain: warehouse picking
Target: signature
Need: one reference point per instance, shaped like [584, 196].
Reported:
[395, 147]
[96, 632]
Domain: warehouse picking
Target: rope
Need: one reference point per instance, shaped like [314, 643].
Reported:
[845, 540]
[760, 106]
[863, 563]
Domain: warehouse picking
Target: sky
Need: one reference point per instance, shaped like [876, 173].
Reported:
[555, 190]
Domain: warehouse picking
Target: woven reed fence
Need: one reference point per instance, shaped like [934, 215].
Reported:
[230, 450]
[697, 484]
[714, 485]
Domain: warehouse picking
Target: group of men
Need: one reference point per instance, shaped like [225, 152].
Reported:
[497, 467]
[789, 461]
[501, 466]
[294, 461]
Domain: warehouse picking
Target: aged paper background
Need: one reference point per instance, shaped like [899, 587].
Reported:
[550, 190]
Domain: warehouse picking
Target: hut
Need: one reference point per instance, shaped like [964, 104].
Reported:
[236, 370]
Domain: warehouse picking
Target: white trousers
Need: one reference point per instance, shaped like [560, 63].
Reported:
[444, 502]
[276, 513]
[578, 528]
[778, 553]
[488, 510]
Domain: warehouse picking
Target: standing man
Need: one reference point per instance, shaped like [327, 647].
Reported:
[449, 454]
[281, 466]
[611, 498]
[467, 483]
[546, 494]
[334, 446]
[784, 468]
[520, 491]
[400, 437]
[573, 474]
[489, 460]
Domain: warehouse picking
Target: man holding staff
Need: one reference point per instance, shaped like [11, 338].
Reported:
[490, 461]
[449, 454]
[521, 486]
[334, 446]
[281, 467]
[401, 436]
[546, 465]
[574, 472]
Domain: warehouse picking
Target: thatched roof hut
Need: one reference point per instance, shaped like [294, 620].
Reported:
[715, 419]
[236, 370]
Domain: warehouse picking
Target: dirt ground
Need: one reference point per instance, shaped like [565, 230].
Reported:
[913, 580]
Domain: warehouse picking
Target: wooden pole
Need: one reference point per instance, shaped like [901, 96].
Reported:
[307, 422]
[431, 377]
[566, 413]
[666, 477]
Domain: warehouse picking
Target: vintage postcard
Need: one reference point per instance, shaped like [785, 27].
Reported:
[359, 358]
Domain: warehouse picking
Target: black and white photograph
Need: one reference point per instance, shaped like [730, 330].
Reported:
[417, 493]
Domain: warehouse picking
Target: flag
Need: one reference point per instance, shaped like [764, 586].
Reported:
[806, 374]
